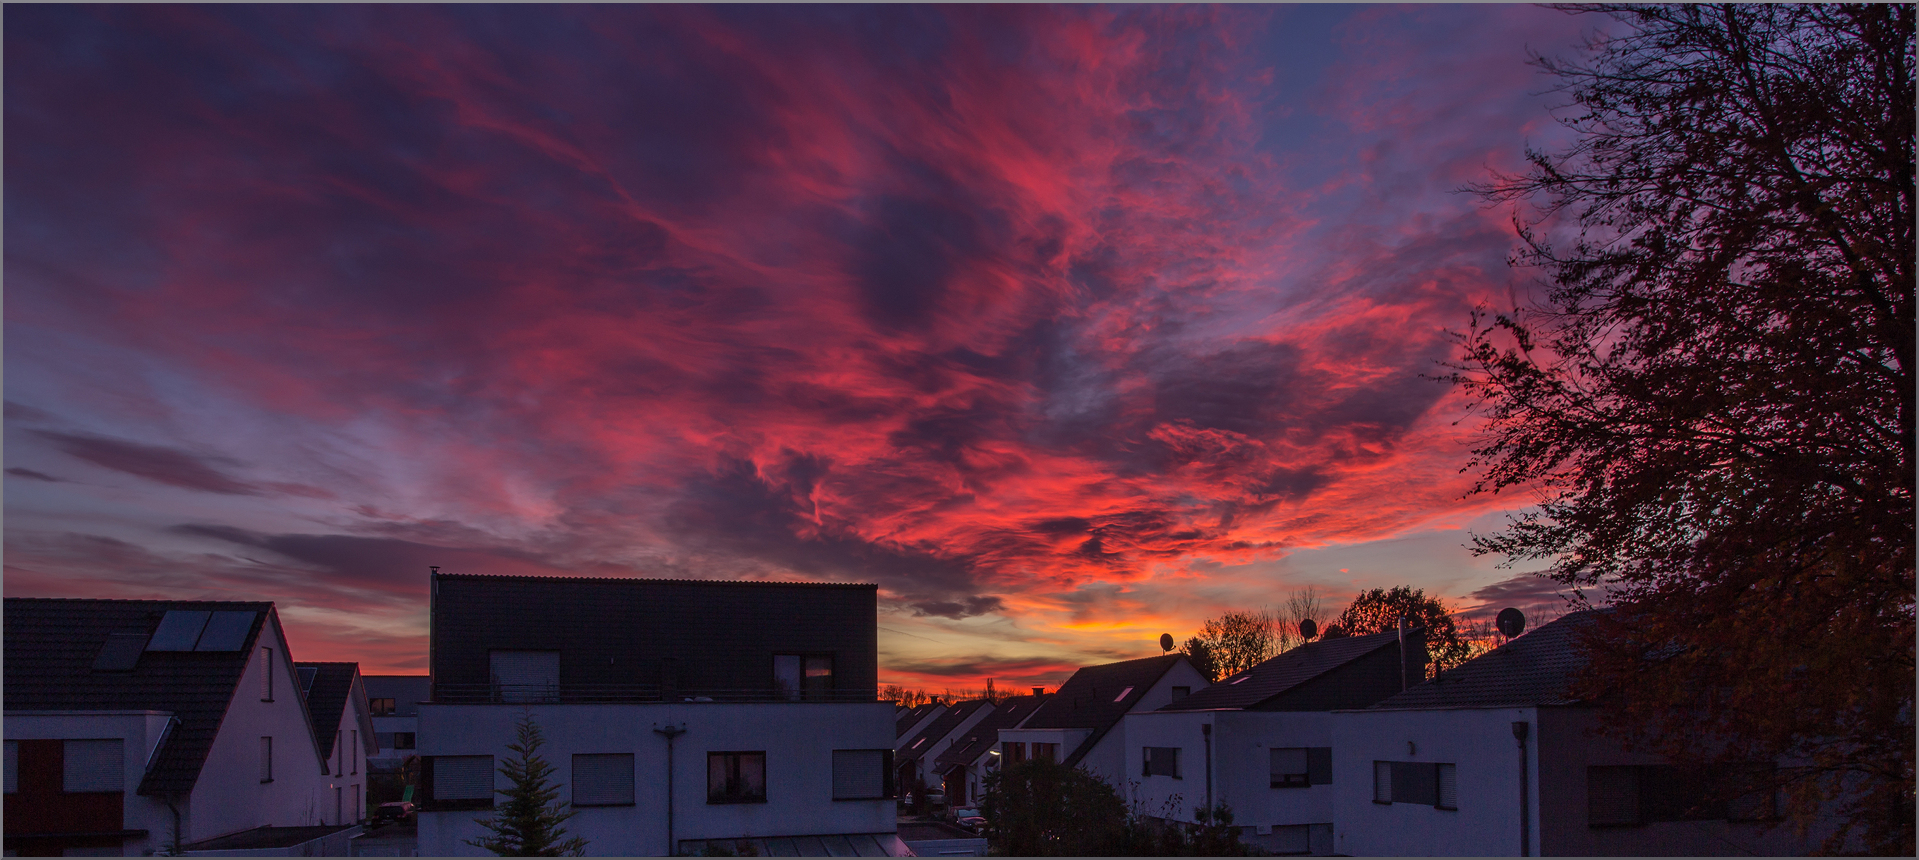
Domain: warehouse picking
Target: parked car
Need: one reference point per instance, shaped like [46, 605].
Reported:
[974, 823]
[398, 810]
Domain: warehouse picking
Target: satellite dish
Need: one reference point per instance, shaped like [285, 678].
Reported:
[1511, 622]
[1308, 629]
[1333, 632]
[1165, 641]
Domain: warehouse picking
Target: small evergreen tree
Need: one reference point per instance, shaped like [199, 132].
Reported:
[528, 824]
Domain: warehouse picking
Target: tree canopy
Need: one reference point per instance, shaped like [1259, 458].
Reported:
[528, 823]
[1041, 808]
[1379, 610]
[1714, 396]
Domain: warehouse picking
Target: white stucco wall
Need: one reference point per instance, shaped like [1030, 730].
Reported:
[1107, 758]
[798, 738]
[138, 731]
[1479, 742]
[1242, 765]
[229, 795]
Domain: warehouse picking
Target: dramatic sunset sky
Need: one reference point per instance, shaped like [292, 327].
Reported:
[1067, 326]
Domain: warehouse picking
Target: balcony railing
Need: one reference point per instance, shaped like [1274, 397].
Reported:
[566, 694]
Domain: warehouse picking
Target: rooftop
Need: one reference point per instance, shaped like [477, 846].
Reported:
[1536, 668]
[1282, 673]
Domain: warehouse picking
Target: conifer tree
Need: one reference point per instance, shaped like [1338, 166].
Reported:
[529, 823]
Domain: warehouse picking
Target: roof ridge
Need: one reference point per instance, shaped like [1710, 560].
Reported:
[543, 578]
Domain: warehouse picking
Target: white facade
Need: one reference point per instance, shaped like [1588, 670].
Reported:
[230, 794]
[1107, 758]
[798, 739]
[929, 749]
[354, 744]
[1288, 819]
[1480, 744]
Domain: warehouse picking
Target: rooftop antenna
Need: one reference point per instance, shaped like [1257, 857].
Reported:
[1166, 642]
[1307, 628]
[1511, 622]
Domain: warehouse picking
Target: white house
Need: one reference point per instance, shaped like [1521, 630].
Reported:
[677, 714]
[1260, 742]
[916, 753]
[1495, 758]
[1080, 724]
[963, 766]
[137, 725]
[343, 721]
[911, 721]
[394, 701]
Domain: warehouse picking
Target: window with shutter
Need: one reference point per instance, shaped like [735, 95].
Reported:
[266, 674]
[526, 676]
[1382, 782]
[1162, 761]
[266, 759]
[1612, 796]
[861, 774]
[466, 778]
[1319, 765]
[94, 765]
[1448, 786]
[1289, 767]
[13, 766]
[1415, 782]
[603, 779]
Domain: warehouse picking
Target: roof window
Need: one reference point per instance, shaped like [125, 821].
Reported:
[1122, 694]
[1240, 679]
[201, 630]
[121, 653]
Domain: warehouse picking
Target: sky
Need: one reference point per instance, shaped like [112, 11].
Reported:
[1067, 326]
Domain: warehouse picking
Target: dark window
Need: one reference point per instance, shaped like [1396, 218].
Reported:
[381, 707]
[1013, 751]
[454, 782]
[863, 774]
[121, 653]
[266, 674]
[266, 759]
[1624, 795]
[1046, 752]
[603, 779]
[1181, 693]
[1161, 761]
[736, 777]
[1424, 783]
[803, 676]
[1290, 768]
[13, 766]
[526, 676]
[403, 740]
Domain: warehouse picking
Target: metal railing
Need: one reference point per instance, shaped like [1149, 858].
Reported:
[476, 694]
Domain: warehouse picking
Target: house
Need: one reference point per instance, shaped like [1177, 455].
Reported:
[916, 754]
[343, 722]
[678, 715]
[911, 721]
[962, 768]
[1495, 757]
[1260, 741]
[1079, 724]
[394, 701]
[135, 726]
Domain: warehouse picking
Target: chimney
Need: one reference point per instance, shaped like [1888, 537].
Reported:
[1039, 691]
[1412, 654]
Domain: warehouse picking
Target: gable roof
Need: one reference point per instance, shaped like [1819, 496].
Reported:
[327, 700]
[913, 750]
[1284, 672]
[1092, 698]
[912, 717]
[51, 647]
[1534, 669]
[985, 733]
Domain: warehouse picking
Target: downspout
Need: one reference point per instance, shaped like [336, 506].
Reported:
[670, 732]
[1525, 813]
[173, 850]
[1206, 731]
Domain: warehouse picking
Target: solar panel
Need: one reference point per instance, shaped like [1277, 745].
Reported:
[121, 653]
[226, 631]
[179, 629]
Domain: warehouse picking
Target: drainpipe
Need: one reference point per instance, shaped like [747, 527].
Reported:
[1525, 814]
[1206, 731]
[670, 732]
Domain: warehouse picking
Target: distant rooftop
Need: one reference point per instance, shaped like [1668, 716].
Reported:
[1534, 669]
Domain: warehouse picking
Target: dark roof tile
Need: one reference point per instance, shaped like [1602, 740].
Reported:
[1092, 698]
[985, 733]
[913, 749]
[327, 700]
[1284, 672]
[1534, 669]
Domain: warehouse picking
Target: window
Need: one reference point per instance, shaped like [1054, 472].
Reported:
[93, 765]
[1181, 693]
[1424, 783]
[1122, 694]
[1289, 768]
[603, 779]
[736, 777]
[354, 751]
[266, 759]
[403, 740]
[1013, 751]
[307, 674]
[1161, 761]
[381, 707]
[1628, 795]
[526, 676]
[863, 774]
[339, 751]
[800, 676]
[1046, 752]
[266, 674]
[13, 766]
[457, 782]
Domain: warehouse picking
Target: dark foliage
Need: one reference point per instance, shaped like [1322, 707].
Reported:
[1039, 808]
[1715, 398]
[1201, 656]
[529, 823]
[1379, 610]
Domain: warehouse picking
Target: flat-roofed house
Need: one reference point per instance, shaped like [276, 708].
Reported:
[1260, 741]
[135, 726]
[678, 714]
